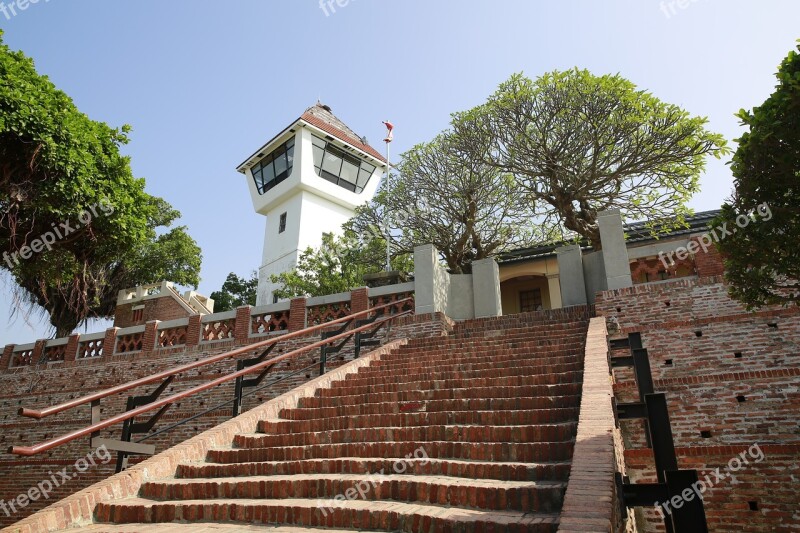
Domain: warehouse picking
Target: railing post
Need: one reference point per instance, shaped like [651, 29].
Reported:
[71, 352]
[5, 361]
[241, 331]
[150, 337]
[194, 332]
[38, 351]
[110, 342]
[297, 314]
[359, 300]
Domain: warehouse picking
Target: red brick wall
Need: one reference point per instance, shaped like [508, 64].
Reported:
[727, 371]
[163, 309]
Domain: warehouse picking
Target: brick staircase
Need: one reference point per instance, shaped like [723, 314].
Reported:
[470, 432]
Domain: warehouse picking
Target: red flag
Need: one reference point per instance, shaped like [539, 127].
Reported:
[390, 131]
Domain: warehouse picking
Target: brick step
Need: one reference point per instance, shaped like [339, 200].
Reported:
[358, 514]
[542, 340]
[343, 388]
[524, 391]
[206, 528]
[463, 358]
[495, 433]
[555, 471]
[381, 366]
[477, 451]
[421, 418]
[488, 495]
[521, 344]
[540, 402]
[434, 372]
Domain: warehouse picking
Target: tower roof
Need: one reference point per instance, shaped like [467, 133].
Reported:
[321, 117]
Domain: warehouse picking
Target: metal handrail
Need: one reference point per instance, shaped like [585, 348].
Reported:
[39, 414]
[99, 426]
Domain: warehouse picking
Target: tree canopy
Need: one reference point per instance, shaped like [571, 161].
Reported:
[236, 292]
[763, 259]
[75, 225]
[339, 265]
[580, 144]
[467, 208]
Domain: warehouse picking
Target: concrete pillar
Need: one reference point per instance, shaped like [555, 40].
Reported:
[554, 287]
[110, 342]
[297, 314]
[243, 326]
[430, 281]
[570, 268]
[615, 252]
[486, 288]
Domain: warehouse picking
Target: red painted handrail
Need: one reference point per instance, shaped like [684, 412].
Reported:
[39, 414]
[69, 437]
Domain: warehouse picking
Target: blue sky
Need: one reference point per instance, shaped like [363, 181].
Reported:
[205, 83]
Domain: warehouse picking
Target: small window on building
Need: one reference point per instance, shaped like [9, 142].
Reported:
[138, 314]
[274, 298]
[530, 300]
[282, 225]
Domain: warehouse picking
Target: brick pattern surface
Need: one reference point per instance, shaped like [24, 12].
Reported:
[460, 429]
[731, 378]
[590, 500]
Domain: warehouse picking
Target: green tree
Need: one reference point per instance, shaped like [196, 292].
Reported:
[763, 259]
[580, 144]
[75, 226]
[468, 209]
[236, 292]
[339, 265]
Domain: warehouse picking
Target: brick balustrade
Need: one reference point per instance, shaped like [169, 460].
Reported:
[242, 325]
[590, 501]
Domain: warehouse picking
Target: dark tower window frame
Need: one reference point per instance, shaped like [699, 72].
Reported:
[274, 168]
[282, 223]
[341, 168]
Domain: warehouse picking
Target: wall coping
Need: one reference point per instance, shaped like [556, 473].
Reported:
[23, 347]
[269, 309]
[329, 299]
[590, 499]
[129, 331]
[57, 342]
[93, 336]
[391, 289]
[218, 317]
[177, 323]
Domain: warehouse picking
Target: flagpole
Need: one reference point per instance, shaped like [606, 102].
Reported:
[388, 140]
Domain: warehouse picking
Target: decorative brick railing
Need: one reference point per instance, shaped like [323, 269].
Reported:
[378, 297]
[239, 327]
[319, 314]
[218, 327]
[173, 333]
[132, 341]
[269, 322]
[91, 346]
[55, 351]
[22, 356]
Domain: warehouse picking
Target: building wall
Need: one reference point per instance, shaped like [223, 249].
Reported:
[732, 379]
[163, 309]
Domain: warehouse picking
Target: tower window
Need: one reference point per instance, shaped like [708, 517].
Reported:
[282, 225]
[274, 168]
[339, 167]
